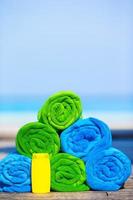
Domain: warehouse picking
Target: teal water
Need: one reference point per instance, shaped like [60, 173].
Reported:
[91, 103]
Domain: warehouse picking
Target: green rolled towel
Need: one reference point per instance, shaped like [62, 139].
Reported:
[61, 110]
[67, 173]
[36, 137]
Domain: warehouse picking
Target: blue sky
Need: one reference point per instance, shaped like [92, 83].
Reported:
[85, 46]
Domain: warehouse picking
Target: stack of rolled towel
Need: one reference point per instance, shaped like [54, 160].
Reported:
[80, 150]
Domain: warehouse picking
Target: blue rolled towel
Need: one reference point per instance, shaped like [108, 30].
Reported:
[15, 173]
[85, 136]
[108, 170]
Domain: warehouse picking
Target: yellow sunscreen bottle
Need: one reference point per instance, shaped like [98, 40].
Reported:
[40, 172]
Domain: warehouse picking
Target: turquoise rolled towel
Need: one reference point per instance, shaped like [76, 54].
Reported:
[15, 174]
[108, 170]
[84, 137]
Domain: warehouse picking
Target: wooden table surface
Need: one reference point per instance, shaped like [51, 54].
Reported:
[124, 194]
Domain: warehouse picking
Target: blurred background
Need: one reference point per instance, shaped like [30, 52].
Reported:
[85, 46]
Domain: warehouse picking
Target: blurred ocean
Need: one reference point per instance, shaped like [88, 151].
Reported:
[115, 111]
[90, 104]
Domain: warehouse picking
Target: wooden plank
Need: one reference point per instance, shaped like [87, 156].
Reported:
[124, 194]
[55, 196]
[129, 183]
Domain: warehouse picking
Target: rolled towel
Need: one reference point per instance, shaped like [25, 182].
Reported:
[67, 173]
[36, 137]
[61, 110]
[15, 173]
[108, 170]
[85, 136]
